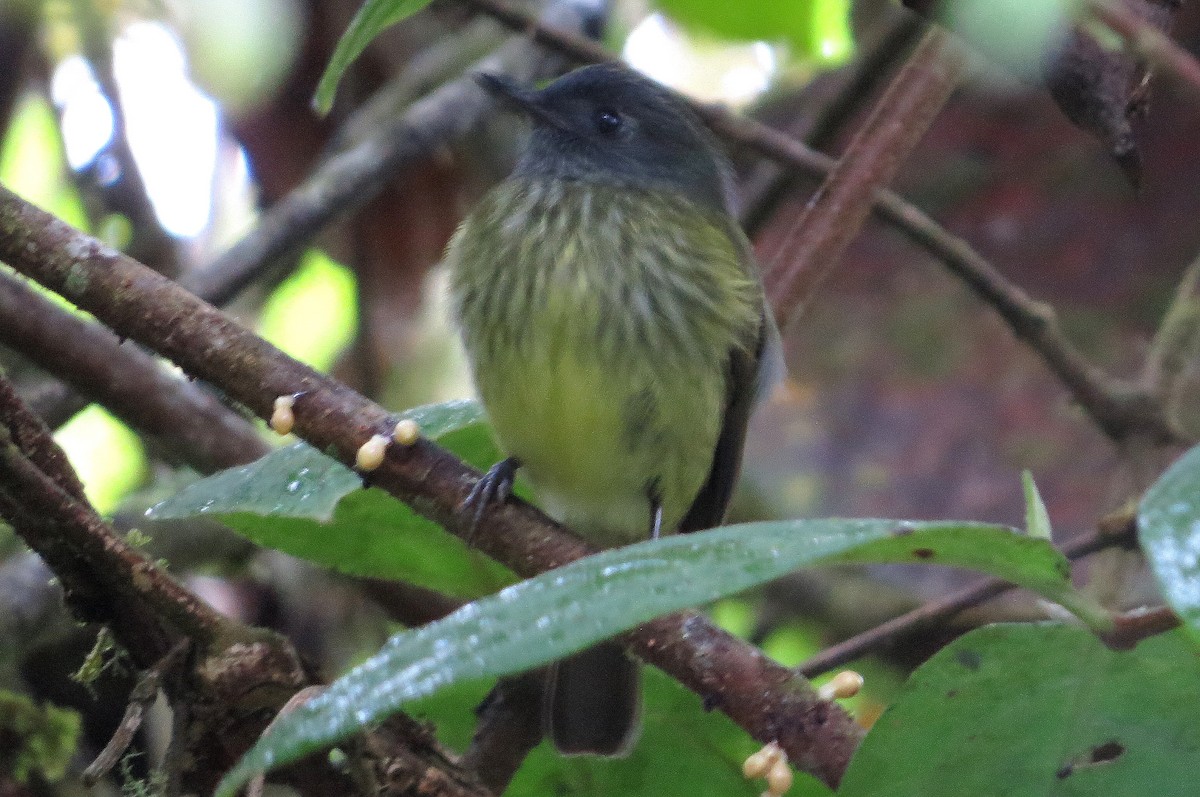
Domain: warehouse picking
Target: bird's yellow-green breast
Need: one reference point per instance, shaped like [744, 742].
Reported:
[599, 322]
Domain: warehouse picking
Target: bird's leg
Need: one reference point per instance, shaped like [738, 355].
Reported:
[655, 496]
[493, 488]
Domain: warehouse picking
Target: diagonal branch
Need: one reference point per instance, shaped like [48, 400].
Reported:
[105, 579]
[1147, 41]
[883, 53]
[943, 609]
[768, 700]
[239, 673]
[1176, 347]
[185, 419]
[814, 245]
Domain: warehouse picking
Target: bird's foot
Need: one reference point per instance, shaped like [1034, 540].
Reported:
[493, 488]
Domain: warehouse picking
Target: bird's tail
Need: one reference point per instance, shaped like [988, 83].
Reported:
[593, 702]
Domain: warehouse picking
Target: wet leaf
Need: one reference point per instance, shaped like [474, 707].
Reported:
[301, 502]
[1169, 532]
[369, 22]
[545, 618]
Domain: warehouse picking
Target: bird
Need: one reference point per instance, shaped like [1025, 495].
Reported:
[618, 336]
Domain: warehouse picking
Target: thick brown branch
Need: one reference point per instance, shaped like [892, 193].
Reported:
[240, 673]
[814, 245]
[186, 420]
[103, 577]
[509, 726]
[144, 306]
[32, 437]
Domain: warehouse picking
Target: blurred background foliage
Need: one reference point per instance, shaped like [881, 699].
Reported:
[906, 398]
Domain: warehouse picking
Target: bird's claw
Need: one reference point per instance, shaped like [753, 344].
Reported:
[493, 488]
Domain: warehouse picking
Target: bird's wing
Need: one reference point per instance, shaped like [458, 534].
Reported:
[752, 373]
[745, 369]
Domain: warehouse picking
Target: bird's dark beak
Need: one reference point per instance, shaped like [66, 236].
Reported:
[517, 96]
[505, 89]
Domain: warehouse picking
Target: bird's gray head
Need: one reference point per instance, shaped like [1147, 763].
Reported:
[607, 123]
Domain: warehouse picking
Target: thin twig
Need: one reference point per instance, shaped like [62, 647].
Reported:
[258, 783]
[942, 609]
[882, 56]
[1176, 344]
[409, 604]
[354, 176]
[144, 693]
[1147, 41]
[1121, 409]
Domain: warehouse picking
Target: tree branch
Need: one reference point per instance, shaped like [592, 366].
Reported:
[126, 194]
[939, 611]
[239, 674]
[1147, 41]
[883, 54]
[1176, 345]
[813, 247]
[103, 577]
[763, 697]
[184, 419]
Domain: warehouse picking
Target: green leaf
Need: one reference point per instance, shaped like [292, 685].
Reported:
[816, 29]
[1025, 710]
[1169, 532]
[545, 618]
[1037, 519]
[371, 19]
[299, 501]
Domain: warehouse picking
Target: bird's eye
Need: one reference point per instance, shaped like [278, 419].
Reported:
[607, 121]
